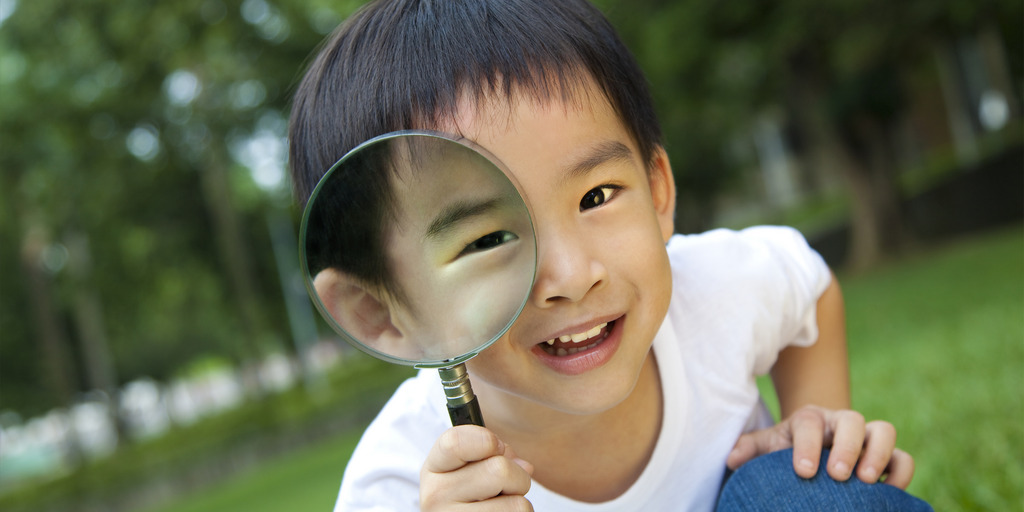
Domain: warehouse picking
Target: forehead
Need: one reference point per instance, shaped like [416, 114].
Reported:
[499, 109]
[437, 183]
[532, 134]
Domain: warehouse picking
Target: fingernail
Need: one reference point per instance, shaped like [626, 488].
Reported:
[842, 469]
[871, 474]
[806, 464]
[525, 465]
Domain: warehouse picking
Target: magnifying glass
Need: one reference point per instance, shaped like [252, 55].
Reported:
[418, 249]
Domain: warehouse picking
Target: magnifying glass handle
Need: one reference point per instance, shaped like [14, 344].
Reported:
[463, 407]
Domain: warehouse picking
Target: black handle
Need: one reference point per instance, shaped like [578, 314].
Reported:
[466, 414]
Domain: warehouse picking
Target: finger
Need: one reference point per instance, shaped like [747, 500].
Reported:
[476, 482]
[901, 469]
[485, 479]
[879, 443]
[460, 445]
[505, 503]
[743, 451]
[808, 426]
[847, 443]
[759, 442]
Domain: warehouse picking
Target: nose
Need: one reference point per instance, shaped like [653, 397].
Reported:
[567, 269]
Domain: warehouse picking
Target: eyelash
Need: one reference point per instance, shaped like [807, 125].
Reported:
[599, 192]
[488, 241]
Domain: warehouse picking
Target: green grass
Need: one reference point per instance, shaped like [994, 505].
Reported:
[936, 347]
[305, 480]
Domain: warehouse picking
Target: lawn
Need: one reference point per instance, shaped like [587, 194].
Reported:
[305, 480]
[936, 347]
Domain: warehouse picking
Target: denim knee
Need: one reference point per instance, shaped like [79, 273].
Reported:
[769, 483]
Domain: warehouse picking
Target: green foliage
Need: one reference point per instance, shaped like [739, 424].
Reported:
[715, 66]
[116, 115]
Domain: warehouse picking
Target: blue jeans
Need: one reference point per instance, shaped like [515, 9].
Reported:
[769, 483]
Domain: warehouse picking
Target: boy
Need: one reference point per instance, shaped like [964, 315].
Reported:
[675, 328]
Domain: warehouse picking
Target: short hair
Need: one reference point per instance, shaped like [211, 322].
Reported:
[405, 64]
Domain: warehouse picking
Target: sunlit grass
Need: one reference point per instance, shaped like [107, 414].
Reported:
[937, 348]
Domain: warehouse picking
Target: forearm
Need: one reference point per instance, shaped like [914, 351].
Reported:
[818, 374]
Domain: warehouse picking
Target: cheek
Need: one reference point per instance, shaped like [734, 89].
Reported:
[496, 366]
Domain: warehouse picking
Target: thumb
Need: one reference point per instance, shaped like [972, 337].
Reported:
[758, 442]
[510, 453]
[744, 450]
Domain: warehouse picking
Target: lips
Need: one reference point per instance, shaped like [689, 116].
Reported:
[596, 347]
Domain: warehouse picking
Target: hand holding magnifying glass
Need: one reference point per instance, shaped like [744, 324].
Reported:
[419, 250]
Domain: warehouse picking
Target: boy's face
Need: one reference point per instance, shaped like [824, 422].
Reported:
[603, 275]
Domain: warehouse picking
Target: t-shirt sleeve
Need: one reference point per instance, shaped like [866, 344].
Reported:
[799, 276]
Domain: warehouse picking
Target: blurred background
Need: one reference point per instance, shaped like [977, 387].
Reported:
[158, 351]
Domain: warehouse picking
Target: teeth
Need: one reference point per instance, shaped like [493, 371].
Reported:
[577, 338]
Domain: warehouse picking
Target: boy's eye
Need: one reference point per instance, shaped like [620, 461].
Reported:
[597, 196]
[488, 241]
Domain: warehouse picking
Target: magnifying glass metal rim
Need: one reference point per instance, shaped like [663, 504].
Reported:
[314, 296]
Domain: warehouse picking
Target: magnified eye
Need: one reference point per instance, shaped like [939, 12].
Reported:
[489, 241]
[597, 196]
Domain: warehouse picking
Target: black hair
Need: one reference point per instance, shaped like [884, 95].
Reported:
[403, 64]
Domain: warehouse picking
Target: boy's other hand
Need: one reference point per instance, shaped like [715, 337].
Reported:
[469, 468]
[870, 447]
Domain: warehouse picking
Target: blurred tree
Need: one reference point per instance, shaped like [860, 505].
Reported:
[839, 68]
[137, 130]
[142, 234]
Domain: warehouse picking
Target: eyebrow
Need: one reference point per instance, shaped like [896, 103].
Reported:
[458, 212]
[600, 154]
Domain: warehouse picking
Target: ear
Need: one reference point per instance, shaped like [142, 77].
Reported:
[663, 192]
[358, 310]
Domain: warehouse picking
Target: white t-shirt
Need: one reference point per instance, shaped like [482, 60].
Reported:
[738, 299]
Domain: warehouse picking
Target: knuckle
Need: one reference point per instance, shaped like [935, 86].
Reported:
[467, 442]
[807, 414]
[851, 416]
[882, 427]
[449, 441]
[499, 467]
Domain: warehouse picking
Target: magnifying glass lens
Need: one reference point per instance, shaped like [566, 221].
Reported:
[418, 249]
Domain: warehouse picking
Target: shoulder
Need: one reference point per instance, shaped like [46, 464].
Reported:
[721, 246]
[745, 295]
[762, 255]
[385, 466]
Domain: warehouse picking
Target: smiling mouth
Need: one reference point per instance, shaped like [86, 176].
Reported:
[567, 345]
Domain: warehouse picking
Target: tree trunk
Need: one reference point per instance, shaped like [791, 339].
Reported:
[234, 254]
[58, 373]
[874, 203]
[101, 374]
